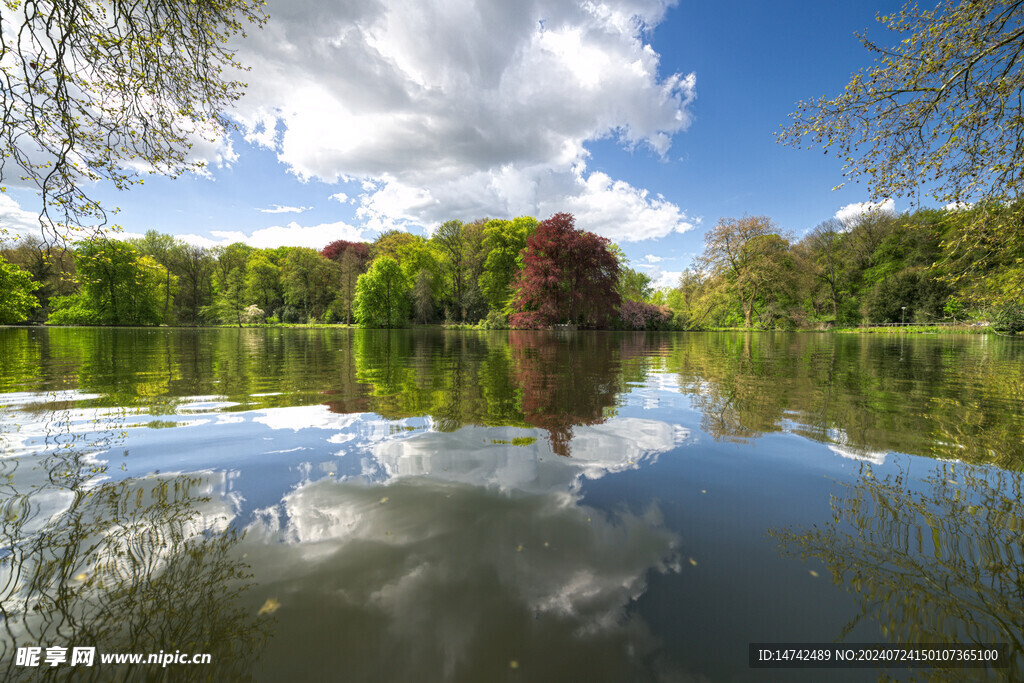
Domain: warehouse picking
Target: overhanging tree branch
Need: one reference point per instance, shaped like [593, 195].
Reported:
[105, 90]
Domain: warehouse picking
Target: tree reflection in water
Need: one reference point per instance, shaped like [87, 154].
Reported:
[944, 564]
[550, 380]
[132, 566]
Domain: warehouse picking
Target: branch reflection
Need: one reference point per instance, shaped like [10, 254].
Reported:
[943, 564]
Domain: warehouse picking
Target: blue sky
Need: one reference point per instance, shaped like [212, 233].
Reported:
[648, 119]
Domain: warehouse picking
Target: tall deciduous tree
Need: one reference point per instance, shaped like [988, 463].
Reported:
[352, 259]
[309, 281]
[94, 89]
[230, 297]
[825, 246]
[119, 287]
[422, 296]
[263, 282]
[503, 242]
[730, 251]
[382, 295]
[194, 266]
[568, 276]
[160, 247]
[448, 238]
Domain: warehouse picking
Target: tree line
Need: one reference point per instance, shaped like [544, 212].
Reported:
[522, 273]
[498, 272]
[915, 267]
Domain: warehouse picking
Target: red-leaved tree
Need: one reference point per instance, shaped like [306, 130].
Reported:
[336, 249]
[353, 257]
[568, 276]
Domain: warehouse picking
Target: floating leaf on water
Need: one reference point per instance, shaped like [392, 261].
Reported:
[81, 576]
[384, 499]
[813, 573]
[693, 562]
[703, 490]
[514, 664]
[519, 548]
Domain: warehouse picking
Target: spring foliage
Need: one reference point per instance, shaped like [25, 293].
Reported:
[98, 89]
[568, 276]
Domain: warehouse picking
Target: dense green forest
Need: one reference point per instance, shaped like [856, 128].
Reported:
[926, 266]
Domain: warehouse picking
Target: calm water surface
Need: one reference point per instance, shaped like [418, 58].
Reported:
[421, 505]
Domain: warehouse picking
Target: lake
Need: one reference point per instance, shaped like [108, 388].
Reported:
[360, 505]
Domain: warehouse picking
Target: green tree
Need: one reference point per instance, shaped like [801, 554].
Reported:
[474, 303]
[16, 299]
[299, 280]
[448, 238]
[118, 287]
[50, 265]
[504, 242]
[825, 244]
[634, 285]
[730, 252]
[230, 297]
[93, 90]
[693, 299]
[389, 242]
[350, 268]
[160, 247]
[942, 103]
[194, 267]
[423, 296]
[422, 255]
[382, 295]
[263, 282]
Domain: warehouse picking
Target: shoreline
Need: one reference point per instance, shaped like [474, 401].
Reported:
[880, 330]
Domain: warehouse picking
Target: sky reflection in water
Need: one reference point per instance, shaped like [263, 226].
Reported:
[322, 503]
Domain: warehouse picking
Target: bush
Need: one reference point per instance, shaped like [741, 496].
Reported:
[638, 315]
[1008, 318]
[289, 315]
[495, 320]
[253, 314]
[71, 310]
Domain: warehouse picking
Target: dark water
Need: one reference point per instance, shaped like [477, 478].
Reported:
[420, 505]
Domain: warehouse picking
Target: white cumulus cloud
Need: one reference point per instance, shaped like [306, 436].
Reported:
[291, 235]
[16, 220]
[277, 208]
[851, 213]
[468, 109]
[665, 279]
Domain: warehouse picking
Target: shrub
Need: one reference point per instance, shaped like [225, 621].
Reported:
[1009, 318]
[72, 310]
[289, 315]
[495, 320]
[638, 315]
[253, 314]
